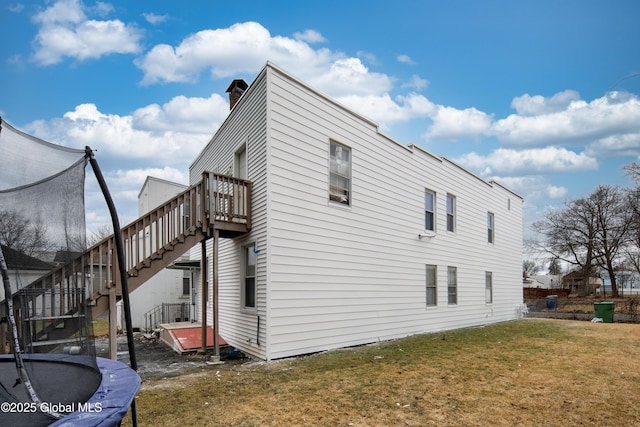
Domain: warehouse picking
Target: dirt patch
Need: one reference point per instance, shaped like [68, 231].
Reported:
[157, 360]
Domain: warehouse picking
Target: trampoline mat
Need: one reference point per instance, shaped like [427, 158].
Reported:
[62, 382]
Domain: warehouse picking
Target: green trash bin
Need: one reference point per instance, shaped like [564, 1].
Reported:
[604, 310]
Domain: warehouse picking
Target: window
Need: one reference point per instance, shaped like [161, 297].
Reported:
[186, 282]
[490, 227]
[452, 285]
[432, 287]
[339, 173]
[451, 213]
[429, 210]
[249, 278]
[488, 287]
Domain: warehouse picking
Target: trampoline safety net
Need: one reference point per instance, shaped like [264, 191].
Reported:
[46, 322]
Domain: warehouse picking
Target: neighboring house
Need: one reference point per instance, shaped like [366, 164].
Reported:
[580, 285]
[356, 238]
[22, 269]
[169, 286]
[546, 281]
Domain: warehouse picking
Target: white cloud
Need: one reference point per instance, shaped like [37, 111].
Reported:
[350, 76]
[555, 192]
[527, 105]
[65, 31]
[416, 83]
[154, 19]
[385, 111]
[173, 133]
[550, 159]
[246, 47]
[241, 48]
[16, 8]
[188, 115]
[619, 145]
[405, 59]
[579, 123]
[450, 123]
[310, 36]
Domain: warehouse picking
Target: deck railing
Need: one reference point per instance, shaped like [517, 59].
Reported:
[150, 242]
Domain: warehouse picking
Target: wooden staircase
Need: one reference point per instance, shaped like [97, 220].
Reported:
[218, 203]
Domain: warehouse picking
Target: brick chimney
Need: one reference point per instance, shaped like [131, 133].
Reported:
[235, 91]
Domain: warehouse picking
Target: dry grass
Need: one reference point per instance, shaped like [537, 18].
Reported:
[530, 372]
[100, 327]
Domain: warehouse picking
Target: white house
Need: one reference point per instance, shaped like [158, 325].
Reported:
[355, 237]
[169, 286]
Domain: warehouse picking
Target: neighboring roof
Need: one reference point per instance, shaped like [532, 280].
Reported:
[160, 180]
[184, 265]
[18, 261]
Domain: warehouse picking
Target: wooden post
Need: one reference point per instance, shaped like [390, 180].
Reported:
[204, 272]
[216, 330]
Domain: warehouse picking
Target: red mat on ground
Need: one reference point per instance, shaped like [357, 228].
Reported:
[191, 338]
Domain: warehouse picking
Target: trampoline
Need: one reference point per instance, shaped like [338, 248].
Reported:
[53, 376]
[71, 386]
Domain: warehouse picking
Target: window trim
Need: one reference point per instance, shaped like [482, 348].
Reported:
[247, 250]
[452, 214]
[432, 211]
[452, 285]
[335, 195]
[433, 286]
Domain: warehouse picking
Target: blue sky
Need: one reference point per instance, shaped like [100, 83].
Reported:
[543, 96]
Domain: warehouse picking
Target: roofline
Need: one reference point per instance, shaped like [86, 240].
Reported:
[412, 147]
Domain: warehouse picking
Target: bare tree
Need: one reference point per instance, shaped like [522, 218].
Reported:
[529, 268]
[632, 249]
[569, 235]
[633, 170]
[613, 219]
[19, 233]
[589, 232]
[100, 234]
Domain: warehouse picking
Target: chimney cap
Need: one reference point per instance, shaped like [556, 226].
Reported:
[237, 84]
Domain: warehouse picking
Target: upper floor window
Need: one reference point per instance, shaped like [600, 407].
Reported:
[339, 173]
[429, 210]
[490, 224]
[451, 212]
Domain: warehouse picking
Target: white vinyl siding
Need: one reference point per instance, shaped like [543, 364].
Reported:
[328, 277]
[244, 129]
